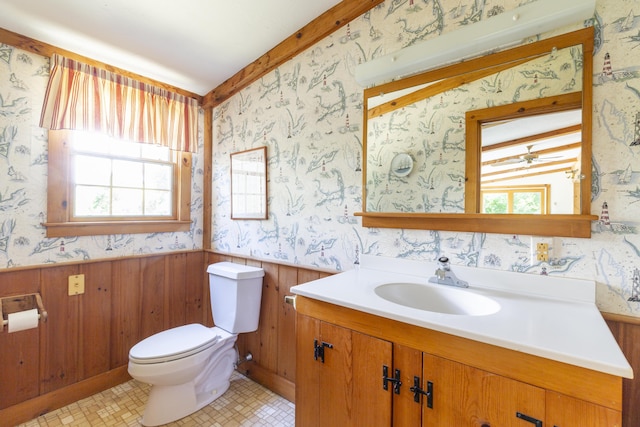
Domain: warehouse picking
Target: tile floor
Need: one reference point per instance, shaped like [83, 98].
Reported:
[246, 403]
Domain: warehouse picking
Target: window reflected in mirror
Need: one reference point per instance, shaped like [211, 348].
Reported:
[427, 124]
[427, 167]
[539, 155]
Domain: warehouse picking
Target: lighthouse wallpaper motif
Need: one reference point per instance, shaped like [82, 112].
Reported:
[308, 113]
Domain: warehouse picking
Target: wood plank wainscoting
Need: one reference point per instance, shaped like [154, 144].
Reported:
[626, 330]
[273, 345]
[83, 347]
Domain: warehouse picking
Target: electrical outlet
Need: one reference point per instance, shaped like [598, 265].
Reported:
[542, 252]
[76, 284]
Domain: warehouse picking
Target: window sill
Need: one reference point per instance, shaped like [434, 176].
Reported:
[65, 229]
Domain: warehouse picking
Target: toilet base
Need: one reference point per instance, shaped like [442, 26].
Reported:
[169, 403]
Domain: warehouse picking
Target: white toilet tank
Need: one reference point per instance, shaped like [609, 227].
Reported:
[236, 291]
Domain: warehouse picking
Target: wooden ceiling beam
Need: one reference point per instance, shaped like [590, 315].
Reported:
[552, 150]
[533, 138]
[321, 27]
[439, 87]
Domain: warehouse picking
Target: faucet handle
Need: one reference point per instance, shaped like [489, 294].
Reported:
[443, 261]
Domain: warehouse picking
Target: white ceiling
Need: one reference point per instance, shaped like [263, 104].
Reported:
[191, 44]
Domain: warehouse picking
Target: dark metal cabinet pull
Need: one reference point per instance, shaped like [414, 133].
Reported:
[318, 349]
[527, 418]
[417, 391]
[395, 380]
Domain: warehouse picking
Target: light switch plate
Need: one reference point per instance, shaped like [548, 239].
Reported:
[76, 284]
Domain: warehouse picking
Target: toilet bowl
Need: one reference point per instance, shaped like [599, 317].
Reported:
[190, 366]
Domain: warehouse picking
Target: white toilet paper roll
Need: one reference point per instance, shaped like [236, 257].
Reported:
[22, 320]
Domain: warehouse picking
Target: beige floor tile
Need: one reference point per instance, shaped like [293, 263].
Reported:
[245, 404]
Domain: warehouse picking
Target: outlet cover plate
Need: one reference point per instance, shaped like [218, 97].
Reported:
[76, 284]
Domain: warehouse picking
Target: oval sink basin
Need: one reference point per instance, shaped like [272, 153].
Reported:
[437, 299]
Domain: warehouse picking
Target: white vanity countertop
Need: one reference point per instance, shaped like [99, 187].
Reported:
[551, 317]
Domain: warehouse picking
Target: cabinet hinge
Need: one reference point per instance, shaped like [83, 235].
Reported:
[318, 349]
[395, 380]
[417, 391]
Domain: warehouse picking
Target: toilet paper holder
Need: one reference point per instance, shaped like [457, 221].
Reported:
[18, 303]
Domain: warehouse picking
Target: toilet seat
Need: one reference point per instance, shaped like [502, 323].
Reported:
[175, 343]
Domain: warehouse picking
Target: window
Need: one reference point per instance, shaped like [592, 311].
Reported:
[100, 186]
[515, 200]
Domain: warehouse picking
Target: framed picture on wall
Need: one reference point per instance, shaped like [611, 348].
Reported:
[249, 184]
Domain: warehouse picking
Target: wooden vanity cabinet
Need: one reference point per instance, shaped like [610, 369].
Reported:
[340, 376]
[565, 411]
[460, 382]
[466, 396]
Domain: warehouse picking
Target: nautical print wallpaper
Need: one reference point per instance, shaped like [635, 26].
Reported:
[308, 113]
[416, 154]
[23, 180]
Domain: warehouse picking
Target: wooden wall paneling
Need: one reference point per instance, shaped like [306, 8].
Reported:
[629, 338]
[288, 277]
[125, 309]
[268, 328]
[213, 258]
[207, 154]
[153, 291]
[95, 320]
[627, 335]
[305, 275]
[19, 361]
[19, 282]
[175, 291]
[59, 336]
[20, 366]
[196, 283]
[250, 342]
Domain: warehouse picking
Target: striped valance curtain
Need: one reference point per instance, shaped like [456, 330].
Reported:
[82, 97]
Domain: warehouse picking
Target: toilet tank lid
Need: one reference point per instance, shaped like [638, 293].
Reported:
[235, 271]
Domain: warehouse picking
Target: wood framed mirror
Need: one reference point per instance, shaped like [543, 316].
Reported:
[437, 119]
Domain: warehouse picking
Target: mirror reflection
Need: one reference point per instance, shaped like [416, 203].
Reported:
[531, 165]
[416, 140]
[430, 141]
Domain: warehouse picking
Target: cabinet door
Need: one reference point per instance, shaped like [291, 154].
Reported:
[406, 411]
[565, 411]
[323, 371]
[340, 384]
[307, 372]
[336, 376]
[371, 402]
[465, 396]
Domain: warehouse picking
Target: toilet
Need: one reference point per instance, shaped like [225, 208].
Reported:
[190, 366]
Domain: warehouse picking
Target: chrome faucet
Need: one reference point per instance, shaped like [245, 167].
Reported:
[444, 275]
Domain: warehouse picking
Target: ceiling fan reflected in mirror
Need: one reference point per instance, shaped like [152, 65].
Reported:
[528, 158]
